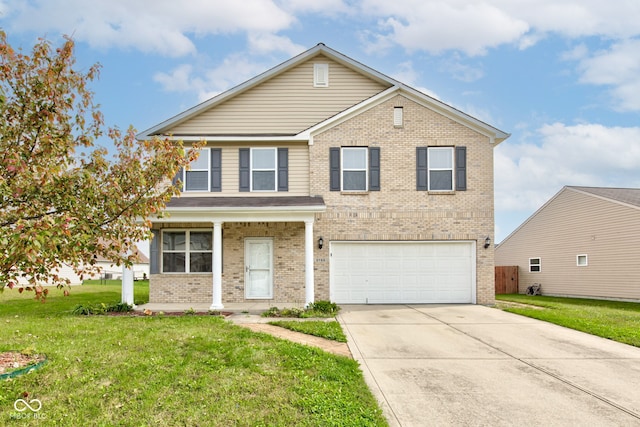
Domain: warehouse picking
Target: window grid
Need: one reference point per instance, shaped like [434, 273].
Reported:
[193, 255]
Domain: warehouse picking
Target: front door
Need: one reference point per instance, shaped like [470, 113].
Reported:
[258, 256]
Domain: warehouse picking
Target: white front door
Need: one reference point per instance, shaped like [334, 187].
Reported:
[258, 257]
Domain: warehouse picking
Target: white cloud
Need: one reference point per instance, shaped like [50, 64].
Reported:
[208, 82]
[160, 26]
[436, 26]
[459, 70]
[264, 43]
[618, 67]
[474, 27]
[527, 175]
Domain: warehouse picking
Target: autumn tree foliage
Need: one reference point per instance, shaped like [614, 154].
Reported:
[63, 199]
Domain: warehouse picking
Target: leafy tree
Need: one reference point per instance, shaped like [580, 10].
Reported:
[62, 198]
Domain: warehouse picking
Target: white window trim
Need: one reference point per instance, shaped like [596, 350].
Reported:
[539, 264]
[343, 169]
[187, 250]
[203, 152]
[586, 260]
[275, 169]
[452, 168]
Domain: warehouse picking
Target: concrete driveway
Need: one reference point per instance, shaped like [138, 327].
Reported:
[435, 365]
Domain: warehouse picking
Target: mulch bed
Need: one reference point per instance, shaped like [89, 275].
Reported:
[167, 313]
[12, 360]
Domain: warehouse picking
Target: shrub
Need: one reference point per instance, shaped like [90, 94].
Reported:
[326, 307]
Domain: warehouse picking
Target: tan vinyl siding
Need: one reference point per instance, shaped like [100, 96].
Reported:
[298, 171]
[285, 104]
[574, 224]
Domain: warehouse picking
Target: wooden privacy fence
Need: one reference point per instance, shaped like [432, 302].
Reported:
[506, 279]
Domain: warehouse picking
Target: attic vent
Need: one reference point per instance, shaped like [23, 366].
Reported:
[320, 75]
[397, 117]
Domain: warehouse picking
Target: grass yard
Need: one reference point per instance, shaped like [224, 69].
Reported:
[616, 320]
[168, 371]
[330, 330]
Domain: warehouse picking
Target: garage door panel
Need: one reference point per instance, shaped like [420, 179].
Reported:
[399, 272]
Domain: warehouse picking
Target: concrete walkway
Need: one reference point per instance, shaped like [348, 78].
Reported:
[471, 365]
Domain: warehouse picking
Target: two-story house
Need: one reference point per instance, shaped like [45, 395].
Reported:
[323, 179]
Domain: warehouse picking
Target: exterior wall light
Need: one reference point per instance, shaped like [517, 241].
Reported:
[487, 242]
[320, 243]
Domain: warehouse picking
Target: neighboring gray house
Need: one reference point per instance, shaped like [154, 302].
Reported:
[584, 242]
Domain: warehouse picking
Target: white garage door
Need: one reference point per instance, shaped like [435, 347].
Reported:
[402, 272]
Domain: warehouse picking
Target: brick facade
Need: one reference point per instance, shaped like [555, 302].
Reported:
[398, 212]
[288, 267]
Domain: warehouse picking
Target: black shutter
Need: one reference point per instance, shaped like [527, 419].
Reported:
[178, 178]
[461, 168]
[154, 253]
[422, 169]
[334, 169]
[374, 169]
[283, 169]
[245, 171]
[216, 169]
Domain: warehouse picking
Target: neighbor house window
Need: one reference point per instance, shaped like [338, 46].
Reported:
[581, 260]
[534, 265]
[188, 251]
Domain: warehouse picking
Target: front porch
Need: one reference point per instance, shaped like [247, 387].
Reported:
[260, 251]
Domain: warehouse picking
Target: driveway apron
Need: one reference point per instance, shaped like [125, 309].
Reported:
[471, 365]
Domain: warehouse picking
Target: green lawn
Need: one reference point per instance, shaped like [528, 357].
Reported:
[167, 371]
[330, 330]
[616, 320]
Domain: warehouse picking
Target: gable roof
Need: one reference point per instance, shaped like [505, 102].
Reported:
[395, 86]
[629, 197]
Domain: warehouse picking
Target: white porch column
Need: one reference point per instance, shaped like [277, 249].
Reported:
[217, 267]
[308, 262]
[127, 285]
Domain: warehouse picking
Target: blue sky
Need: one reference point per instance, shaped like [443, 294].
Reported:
[563, 77]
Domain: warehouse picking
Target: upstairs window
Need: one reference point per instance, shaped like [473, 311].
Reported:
[354, 169]
[263, 169]
[204, 173]
[441, 169]
[440, 164]
[582, 260]
[197, 177]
